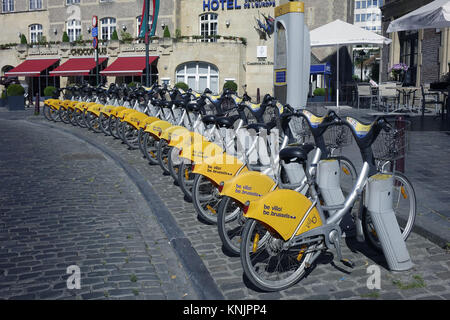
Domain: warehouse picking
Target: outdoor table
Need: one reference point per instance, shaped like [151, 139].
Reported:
[445, 92]
[406, 92]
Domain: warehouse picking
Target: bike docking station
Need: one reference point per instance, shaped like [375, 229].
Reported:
[379, 199]
[291, 81]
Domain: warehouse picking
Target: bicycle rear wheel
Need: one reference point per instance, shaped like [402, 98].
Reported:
[149, 146]
[230, 222]
[186, 179]
[205, 197]
[404, 205]
[266, 263]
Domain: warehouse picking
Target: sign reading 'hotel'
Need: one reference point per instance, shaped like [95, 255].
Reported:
[214, 5]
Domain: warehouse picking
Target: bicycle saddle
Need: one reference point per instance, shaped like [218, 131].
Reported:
[209, 119]
[296, 154]
[226, 122]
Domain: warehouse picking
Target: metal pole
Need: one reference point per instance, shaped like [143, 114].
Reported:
[96, 65]
[147, 46]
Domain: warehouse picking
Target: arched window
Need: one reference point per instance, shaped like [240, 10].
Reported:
[108, 26]
[74, 29]
[208, 26]
[35, 32]
[199, 76]
[138, 23]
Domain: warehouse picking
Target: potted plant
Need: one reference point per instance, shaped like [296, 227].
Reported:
[398, 71]
[16, 100]
[230, 85]
[318, 95]
[182, 86]
[48, 92]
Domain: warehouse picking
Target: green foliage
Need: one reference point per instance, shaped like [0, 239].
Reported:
[177, 33]
[114, 36]
[65, 37]
[182, 86]
[3, 94]
[166, 32]
[15, 90]
[319, 92]
[49, 91]
[131, 85]
[23, 39]
[126, 36]
[230, 85]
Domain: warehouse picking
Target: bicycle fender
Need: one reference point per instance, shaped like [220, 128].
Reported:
[122, 114]
[247, 186]
[219, 168]
[168, 131]
[185, 139]
[147, 121]
[176, 134]
[116, 110]
[95, 109]
[282, 210]
[107, 110]
[135, 119]
[198, 151]
[157, 127]
[72, 104]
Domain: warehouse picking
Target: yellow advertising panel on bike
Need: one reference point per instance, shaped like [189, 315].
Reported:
[122, 114]
[201, 150]
[157, 127]
[107, 110]
[116, 110]
[167, 133]
[220, 168]
[95, 109]
[175, 136]
[248, 186]
[136, 119]
[283, 210]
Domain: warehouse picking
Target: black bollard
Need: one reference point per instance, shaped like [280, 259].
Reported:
[36, 106]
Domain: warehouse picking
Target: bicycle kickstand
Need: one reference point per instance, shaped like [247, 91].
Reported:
[335, 240]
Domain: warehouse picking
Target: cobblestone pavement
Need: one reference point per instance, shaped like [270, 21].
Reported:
[429, 279]
[63, 203]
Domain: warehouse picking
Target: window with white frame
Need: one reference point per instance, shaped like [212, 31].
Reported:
[35, 32]
[108, 26]
[199, 76]
[208, 26]
[35, 4]
[72, 1]
[138, 24]
[74, 30]
[8, 6]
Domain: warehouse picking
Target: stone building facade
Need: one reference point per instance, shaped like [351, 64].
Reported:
[426, 52]
[212, 41]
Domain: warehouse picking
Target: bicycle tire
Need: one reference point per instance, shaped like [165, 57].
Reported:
[205, 197]
[46, 111]
[230, 222]
[173, 164]
[186, 179]
[162, 152]
[104, 123]
[150, 148]
[267, 250]
[406, 224]
[63, 116]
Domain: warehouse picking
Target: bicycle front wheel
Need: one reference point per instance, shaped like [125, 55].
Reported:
[230, 222]
[404, 205]
[266, 263]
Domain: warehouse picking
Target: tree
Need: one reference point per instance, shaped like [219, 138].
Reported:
[114, 36]
[23, 39]
[65, 37]
[166, 32]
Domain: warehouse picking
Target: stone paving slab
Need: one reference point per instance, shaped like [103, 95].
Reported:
[326, 280]
[63, 203]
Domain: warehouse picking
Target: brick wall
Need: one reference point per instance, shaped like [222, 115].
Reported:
[430, 56]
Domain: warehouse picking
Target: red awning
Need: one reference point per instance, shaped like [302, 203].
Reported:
[76, 67]
[127, 66]
[31, 68]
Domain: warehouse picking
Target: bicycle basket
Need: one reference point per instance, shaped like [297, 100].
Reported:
[392, 145]
[336, 136]
[300, 130]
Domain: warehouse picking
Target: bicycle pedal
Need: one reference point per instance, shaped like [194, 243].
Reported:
[348, 263]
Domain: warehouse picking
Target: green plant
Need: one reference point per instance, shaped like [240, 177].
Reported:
[114, 36]
[418, 282]
[319, 92]
[15, 90]
[3, 94]
[49, 91]
[177, 33]
[126, 37]
[230, 85]
[131, 85]
[166, 33]
[23, 39]
[244, 41]
[182, 86]
[65, 37]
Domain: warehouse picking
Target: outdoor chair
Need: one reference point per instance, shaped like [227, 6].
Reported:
[388, 96]
[365, 92]
[431, 97]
